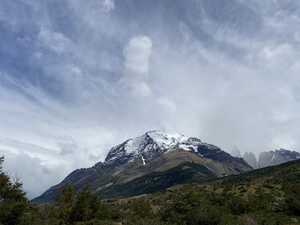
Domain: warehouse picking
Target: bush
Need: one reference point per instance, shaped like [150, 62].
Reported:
[293, 198]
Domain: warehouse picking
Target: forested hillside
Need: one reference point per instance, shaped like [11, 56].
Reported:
[268, 196]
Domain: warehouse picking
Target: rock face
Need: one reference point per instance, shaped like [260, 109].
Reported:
[250, 158]
[151, 162]
[277, 157]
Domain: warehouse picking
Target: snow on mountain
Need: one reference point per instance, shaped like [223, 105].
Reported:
[164, 140]
[152, 144]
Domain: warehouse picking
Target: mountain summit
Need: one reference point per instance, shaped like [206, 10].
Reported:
[151, 162]
[151, 145]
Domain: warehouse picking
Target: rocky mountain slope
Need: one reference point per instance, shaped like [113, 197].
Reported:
[149, 163]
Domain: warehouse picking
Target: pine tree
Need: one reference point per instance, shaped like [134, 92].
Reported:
[82, 210]
[13, 203]
[65, 204]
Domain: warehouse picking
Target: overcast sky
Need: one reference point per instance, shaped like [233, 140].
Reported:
[78, 76]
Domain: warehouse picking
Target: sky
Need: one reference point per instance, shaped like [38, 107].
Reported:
[80, 76]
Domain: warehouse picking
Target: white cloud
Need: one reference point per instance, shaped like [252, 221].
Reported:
[137, 55]
[34, 175]
[139, 88]
[108, 5]
[54, 41]
[167, 104]
[284, 141]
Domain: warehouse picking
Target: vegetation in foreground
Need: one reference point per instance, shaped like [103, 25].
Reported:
[269, 196]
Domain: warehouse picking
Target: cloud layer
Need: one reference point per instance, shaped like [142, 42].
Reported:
[77, 77]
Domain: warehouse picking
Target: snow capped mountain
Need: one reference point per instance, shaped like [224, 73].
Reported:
[153, 161]
[151, 145]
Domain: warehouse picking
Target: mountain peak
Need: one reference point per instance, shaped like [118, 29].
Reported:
[166, 140]
[150, 145]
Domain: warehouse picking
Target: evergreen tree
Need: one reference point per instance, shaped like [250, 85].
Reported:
[13, 203]
[65, 204]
